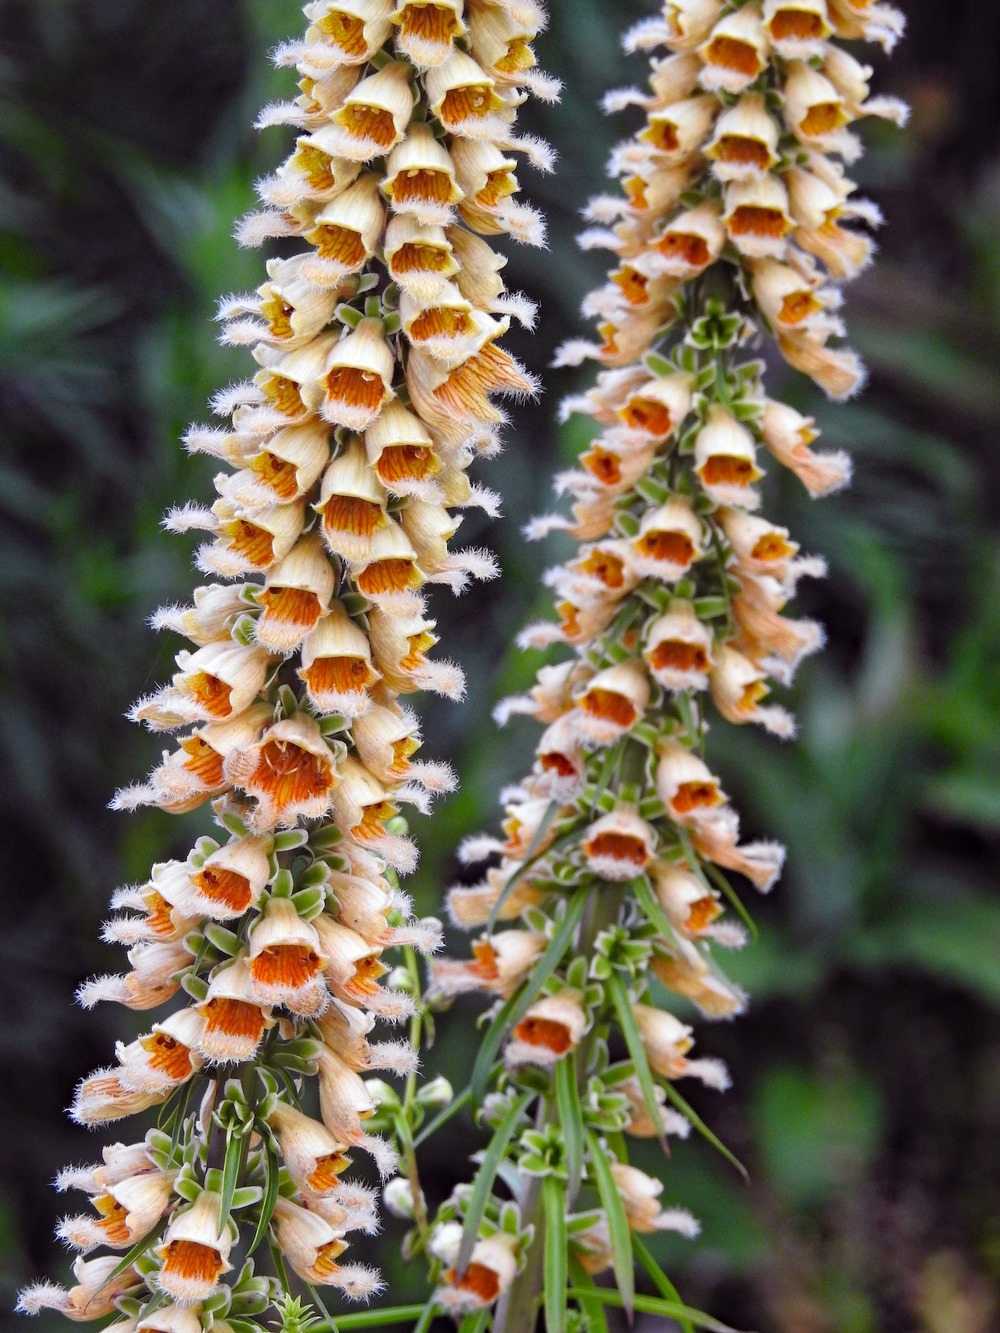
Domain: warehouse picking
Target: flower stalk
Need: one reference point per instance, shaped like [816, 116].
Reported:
[609, 890]
[377, 359]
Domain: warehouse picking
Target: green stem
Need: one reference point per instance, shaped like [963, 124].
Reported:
[517, 1309]
[722, 382]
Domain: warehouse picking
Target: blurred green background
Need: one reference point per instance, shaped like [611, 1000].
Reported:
[867, 1071]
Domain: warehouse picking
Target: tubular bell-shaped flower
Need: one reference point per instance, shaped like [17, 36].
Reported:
[377, 359]
[619, 844]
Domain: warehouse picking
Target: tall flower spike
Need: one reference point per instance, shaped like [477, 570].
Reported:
[377, 360]
[735, 226]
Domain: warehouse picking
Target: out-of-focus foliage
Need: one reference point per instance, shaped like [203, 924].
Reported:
[867, 1078]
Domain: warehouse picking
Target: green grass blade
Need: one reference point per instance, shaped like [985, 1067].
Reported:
[317, 1300]
[637, 1051]
[526, 862]
[654, 912]
[443, 1117]
[401, 1314]
[570, 1120]
[608, 769]
[734, 899]
[269, 1200]
[556, 1271]
[516, 1006]
[699, 1124]
[476, 1323]
[654, 1305]
[182, 1110]
[137, 1250]
[427, 1315]
[584, 1293]
[663, 1284]
[485, 1177]
[618, 1228]
[236, 1148]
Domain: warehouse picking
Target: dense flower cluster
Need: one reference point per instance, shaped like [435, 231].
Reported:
[734, 222]
[378, 356]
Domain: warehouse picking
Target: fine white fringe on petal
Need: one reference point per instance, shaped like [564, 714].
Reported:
[357, 1281]
[398, 1057]
[644, 35]
[382, 1153]
[478, 847]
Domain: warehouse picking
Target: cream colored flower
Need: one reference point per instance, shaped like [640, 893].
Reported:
[296, 595]
[678, 649]
[289, 772]
[489, 1272]
[725, 460]
[612, 702]
[669, 541]
[235, 1020]
[745, 141]
[549, 1029]
[736, 50]
[194, 1251]
[426, 30]
[285, 957]
[619, 845]
[685, 784]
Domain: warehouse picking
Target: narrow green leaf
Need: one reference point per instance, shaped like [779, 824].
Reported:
[554, 1199]
[278, 1260]
[514, 1008]
[663, 1284]
[149, 1307]
[734, 899]
[427, 1316]
[570, 1120]
[633, 1040]
[401, 1314]
[526, 862]
[653, 1305]
[584, 1292]
[612, 759]
[485, 1177]
[236, 1148]
[699, 1124]
[177, 1126]
[269, 1200]
[136, 1252]
[476, 1323]
[531, 860]
[654, 912]
[442, 1118]
[619, 1232]
[317, 1300]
